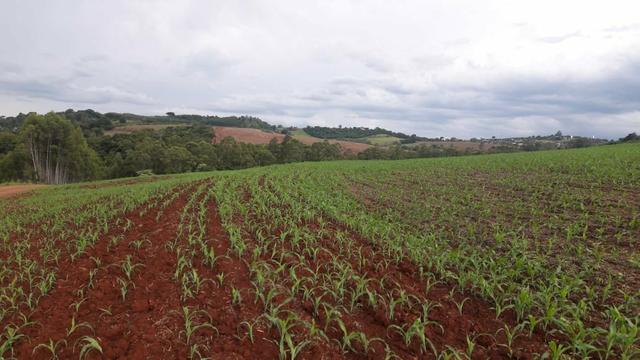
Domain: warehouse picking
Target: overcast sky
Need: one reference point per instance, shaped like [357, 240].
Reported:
[435, 68]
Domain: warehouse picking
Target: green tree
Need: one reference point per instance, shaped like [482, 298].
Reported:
[235, 155]
[16, 165]
[178, 160]
[58, 151]
[263, 156]
[8, 141]
[204, 154]
[373, 153]
[631, 137]
[323, 151]
[291, 150]
[148, 154]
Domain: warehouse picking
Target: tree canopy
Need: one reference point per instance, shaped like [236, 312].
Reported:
[73, 146]
[58, 150]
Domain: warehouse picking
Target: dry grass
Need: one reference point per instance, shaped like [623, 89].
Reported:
[257, 136]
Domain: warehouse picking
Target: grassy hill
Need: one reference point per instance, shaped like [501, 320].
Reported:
[488, 256]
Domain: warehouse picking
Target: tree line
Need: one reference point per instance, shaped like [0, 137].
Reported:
[94, 123]
[49, 149]
[58, 148]
[53, 149]
[324, 132]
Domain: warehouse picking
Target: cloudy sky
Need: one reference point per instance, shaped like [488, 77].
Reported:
[435, 68]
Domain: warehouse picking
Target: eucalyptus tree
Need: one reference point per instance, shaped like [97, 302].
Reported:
[59, 152]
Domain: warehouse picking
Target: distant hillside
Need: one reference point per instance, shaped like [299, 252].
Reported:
[94, 123]
[324, 132]
[356, 139]
[130, 129]
[257, 136]
[213, 120]
[82, 145]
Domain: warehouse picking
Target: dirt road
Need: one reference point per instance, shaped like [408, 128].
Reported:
[10, 190]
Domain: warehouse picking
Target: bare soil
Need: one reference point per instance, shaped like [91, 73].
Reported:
[12, 190]
[257, 136]
[149, 323]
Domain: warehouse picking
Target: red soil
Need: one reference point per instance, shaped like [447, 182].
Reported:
[476, 320]
[149, 323]
[257, 136]
[130, 129]
[346, 146]
[245, 135]
[129, 332]
[11, 190]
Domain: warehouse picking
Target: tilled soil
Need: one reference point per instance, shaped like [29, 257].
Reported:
[12, 190]
[149, 322]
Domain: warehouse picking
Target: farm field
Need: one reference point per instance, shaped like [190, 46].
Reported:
[383, 140]
[245, 135]
[257, 136]
[525, 255]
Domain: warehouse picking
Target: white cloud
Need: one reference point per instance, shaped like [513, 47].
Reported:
[458, 68]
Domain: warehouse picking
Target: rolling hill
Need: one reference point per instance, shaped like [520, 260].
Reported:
[257, 136]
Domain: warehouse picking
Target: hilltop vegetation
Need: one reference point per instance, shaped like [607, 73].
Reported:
[60, 154]
[94, 123]
[528, 255]
[324, 132]
[84, 145]
[257, 136]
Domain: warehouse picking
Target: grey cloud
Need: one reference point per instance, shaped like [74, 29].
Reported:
[624, 28]
[208, 63]
[513, 97]
[559, 38]
[59, 90]
[435, 61]
[512, 102]
[74, 86]
[377, 64]
[611, 93]
[93, 58]
[9, 68]
[398, 89]
[426, 72]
